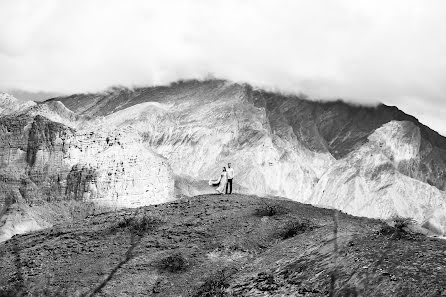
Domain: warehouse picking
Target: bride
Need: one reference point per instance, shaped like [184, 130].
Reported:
[221, 182]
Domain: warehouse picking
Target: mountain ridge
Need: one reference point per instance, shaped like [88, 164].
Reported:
[342, 118]
[141, 90]
[280, 145]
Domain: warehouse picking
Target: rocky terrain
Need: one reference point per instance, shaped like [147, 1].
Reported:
[52, 172]
[72, 156]
[214, 245]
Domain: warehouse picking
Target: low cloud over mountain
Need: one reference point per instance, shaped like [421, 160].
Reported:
[365, 52]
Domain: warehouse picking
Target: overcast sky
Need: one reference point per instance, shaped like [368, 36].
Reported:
[363, 51]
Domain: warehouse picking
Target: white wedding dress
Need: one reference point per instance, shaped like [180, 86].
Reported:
[223, 181]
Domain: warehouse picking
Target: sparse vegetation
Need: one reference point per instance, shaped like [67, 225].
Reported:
[215, 285]
[138, 224]
[294, 228]
[386, 229]
[185, 252]
[266, 210]
[173, 263]
[397, 228]
[402, 224]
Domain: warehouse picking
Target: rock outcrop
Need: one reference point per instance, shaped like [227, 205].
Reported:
[48, 170]
[374, 179]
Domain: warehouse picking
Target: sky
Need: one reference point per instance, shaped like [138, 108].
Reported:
[390, 51]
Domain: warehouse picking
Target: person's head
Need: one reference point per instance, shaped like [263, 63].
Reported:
[224, 169]
[229, 165]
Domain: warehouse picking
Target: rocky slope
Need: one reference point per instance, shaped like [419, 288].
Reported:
[9, 104]
[51, 171]
[223, 246]
[360, 159]
[122, 143]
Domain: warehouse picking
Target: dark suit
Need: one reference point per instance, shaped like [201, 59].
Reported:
[229, 186]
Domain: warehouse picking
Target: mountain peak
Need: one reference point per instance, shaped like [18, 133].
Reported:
[9, 104]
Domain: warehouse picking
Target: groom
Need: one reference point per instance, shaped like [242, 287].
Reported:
[230, 172]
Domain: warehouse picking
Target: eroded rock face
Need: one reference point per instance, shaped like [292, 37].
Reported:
[371, 181]
[48, 170]
[118, 176]
[200, 135]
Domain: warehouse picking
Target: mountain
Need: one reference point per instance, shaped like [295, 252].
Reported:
[134, 147]
[23, 95]
[9, 104]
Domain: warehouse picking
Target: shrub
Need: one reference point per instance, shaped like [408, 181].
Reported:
[294, 228]
[266, 211]
[137, 224]
[402, 224]
[215, 285]
[398, 227]
[386, 229]
[173, 263]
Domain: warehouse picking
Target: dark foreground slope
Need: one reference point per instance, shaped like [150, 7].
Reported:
[222, 246]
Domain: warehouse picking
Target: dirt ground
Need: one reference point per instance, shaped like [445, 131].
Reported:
[230, 245]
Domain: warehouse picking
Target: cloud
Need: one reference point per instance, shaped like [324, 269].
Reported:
[364, 51]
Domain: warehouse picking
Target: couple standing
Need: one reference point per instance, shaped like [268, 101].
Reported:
[225, 180]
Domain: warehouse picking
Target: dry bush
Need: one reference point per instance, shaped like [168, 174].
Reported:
[173, 263]
[386, 229]
[294, 228]
[215, 285]
[138, 224]
[397, 228]
[402, 224]
[266, 211]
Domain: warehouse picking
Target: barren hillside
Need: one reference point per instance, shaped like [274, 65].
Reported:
[223, 246]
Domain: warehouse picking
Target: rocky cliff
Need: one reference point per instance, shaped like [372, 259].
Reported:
[127, 147]
[51, 172]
